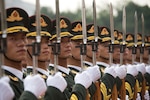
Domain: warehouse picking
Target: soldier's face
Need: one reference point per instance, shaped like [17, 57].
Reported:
[126, 51]
[16, 46]
[65, 47]
[145, 55]
[89, 50]
[76, 50]
[129, 54]
[138, 52]
[45, 50]
[116, 54]
[104, 50]
[98, 51]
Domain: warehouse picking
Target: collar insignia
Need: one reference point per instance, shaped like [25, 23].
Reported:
[13, 78]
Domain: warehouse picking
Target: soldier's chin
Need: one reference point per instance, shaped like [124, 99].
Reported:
[70, 55]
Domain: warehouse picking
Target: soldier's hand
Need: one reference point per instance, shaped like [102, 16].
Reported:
[138, 96]
[57, 81]
[94, 72]
[111, 71]
[131, 69]
[120, 72]
[35, 84]
[6, 91]
[146, 95]
[83, 79]
[141, 68]
[148, 69]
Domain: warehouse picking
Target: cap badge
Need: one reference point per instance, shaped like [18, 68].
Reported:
[14, 17]
[129, 38]
[91, 30]
[63, 24]
[77, 28]
[104, 31]
[43, 23]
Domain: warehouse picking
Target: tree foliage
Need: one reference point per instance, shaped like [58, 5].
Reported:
[103, 17]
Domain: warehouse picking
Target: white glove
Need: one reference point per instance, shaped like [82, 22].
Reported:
[120, 72]
[148, 69]
[6, 91]
[127, 97]
[57, 81]
[83, 79]
[146, 96]
[94, 72]
[141, 68]
[35, 84]
[138, 97]
[111, 71]
[131, 69]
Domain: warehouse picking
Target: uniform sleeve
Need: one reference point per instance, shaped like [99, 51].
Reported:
[53, 93]
[130, 82]
[27, 96]
[147, 77]
[78, 92]
[106, 86]
[140, 79]
[92, 90]
[118, 83]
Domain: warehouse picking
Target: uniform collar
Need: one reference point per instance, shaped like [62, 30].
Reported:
[88, 63]
[14, 71]
[61, 68]
[102, 63]
[75, 67]
[43, 71]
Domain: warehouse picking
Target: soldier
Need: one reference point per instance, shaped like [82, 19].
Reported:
[74, 62]
[139, 44]
[103, 59]
[120, 39]
[43, 58]
[141, 68]
[79, 90]
[145, 60]
[17, 19]
[90, 38]
[116, 53]
[130, 43]
[45, 50]
[130, 80]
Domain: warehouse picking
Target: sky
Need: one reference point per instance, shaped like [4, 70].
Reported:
[73, 5]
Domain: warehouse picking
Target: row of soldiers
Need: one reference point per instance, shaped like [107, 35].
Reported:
[70, 81]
